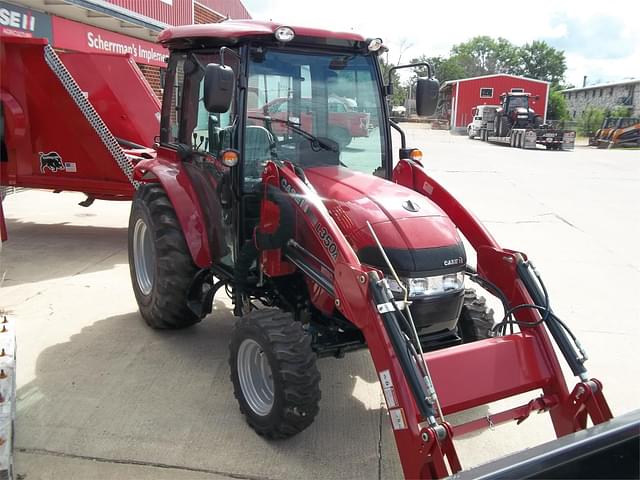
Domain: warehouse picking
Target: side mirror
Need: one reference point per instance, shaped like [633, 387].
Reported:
[427, 91]
[218, 88]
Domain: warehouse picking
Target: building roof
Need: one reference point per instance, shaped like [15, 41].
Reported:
[232, 30]
[602, 85]
[451, 82]
[227, 8]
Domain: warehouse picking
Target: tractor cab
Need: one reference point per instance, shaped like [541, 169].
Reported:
[515, 101]
[241, 94]
[515, 112]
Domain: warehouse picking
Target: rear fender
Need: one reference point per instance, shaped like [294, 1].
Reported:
[176, 182]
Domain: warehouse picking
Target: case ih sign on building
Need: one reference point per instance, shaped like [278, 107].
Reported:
[459, 97]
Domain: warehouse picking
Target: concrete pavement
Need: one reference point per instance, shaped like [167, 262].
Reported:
[100, 395]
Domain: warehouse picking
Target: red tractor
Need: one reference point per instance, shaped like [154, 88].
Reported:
[325, 249]
[515, 112]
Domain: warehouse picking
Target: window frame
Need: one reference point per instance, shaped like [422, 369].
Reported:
[486, 88]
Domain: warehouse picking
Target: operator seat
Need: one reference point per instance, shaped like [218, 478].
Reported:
[259, 147]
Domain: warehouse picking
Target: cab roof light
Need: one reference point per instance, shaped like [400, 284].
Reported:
[284, 34]
[375, 44]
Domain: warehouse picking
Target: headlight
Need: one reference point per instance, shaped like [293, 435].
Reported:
[426, 286]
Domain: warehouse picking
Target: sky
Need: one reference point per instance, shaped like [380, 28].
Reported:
[600, 39]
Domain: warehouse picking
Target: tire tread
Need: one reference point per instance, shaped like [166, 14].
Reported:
[295, 366]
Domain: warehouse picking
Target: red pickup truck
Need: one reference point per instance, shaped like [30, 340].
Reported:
[345, 123]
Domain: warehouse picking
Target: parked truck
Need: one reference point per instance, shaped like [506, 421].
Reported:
[516, 124]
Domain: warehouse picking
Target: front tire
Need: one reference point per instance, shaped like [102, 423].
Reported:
[274, 373]
[476, 318]
[503, 126]
[159, 261]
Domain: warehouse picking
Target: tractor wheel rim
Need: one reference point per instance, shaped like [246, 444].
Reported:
[143, 257]
[255, 376]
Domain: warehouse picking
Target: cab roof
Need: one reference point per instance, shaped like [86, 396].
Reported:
[232, 32]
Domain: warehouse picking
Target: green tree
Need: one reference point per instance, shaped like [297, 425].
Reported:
[590, 120]
[444, 69]
[620, 111]
[485, 55]
[557, 108]
[541, 61]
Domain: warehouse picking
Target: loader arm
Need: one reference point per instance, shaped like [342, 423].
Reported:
[358, 295]
[527, 358]
[537, 365]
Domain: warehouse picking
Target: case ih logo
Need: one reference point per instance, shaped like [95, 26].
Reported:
[19, 20]
[16, 21]
[453, 261]
[52, 161]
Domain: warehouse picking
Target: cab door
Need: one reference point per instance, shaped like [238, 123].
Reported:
[199, 138]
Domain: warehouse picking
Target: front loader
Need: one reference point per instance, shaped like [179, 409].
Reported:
[326, 248]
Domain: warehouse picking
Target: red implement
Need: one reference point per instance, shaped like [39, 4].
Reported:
[77, 123]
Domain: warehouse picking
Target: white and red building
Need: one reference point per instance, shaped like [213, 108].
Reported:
[459, 97]
[113, 26]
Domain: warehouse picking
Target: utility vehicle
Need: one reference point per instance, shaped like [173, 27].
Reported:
[326, 249]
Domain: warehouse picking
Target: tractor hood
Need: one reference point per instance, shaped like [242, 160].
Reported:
[416, 234]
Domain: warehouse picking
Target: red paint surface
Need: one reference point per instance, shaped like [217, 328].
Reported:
[120, 94]
[248, 28]
[467, 95]
[233, 9]
[354, 198]
[516, 360]
[69, 35]
[171, 12]
[35, 124]
[167, 169]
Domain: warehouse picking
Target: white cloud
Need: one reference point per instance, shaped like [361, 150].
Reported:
[432, 28]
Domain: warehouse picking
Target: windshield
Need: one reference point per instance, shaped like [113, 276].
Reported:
[516, 102]
[312, 110]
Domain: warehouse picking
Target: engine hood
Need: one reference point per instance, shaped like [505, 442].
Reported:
[416, 234]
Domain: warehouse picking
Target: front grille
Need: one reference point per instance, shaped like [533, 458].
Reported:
[436, 314]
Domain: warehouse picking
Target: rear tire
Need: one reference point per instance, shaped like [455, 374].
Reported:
[476, 318]
[274, 373]
[159, 261]
[503, 126]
